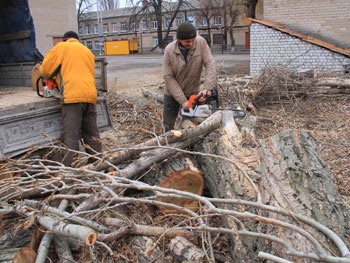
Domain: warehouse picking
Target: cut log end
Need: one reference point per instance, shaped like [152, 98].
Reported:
[90, 238]
[184, 180]
[25, 255]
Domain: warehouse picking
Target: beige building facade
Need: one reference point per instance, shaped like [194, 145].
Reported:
[121, 24]
[51, 19]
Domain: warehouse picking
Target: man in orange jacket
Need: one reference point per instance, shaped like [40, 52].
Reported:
[78, 94]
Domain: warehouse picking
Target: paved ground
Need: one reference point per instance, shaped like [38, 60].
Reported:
[132, 71]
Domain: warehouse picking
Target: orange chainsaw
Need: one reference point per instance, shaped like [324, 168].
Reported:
[50, 86]
[203, 106]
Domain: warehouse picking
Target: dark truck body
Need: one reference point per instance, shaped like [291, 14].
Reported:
[27, 119]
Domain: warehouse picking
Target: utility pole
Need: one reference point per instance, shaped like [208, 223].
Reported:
[100, 27]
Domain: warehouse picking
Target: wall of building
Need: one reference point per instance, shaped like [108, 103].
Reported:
[328, 20]
[270, 47]
[51, 19]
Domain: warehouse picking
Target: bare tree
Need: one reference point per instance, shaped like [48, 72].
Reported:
[233, 11]
[172, 14]
[206, 12]
[107, 4]
[155, 9]
[83, 6]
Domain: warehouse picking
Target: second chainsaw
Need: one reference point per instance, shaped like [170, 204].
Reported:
[201, 106]
[50, 87]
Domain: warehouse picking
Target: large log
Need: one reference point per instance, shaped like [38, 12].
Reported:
[180, 138]
[231, 173]
[296, 178]
[285, 171]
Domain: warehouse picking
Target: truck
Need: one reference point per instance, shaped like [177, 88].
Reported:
[27, 119]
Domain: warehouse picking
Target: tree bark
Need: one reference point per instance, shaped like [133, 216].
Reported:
[180, 138]
[297, 179]
[338, 82]
[186, 251]
[232, 176]
[286, 171]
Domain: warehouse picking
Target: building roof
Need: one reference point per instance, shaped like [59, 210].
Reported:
[304, 37]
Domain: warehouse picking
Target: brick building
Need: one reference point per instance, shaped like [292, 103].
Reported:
[327, 20]
[301, 35]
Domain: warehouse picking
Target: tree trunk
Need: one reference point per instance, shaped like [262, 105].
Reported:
[285, 171]
[296, 178]
[232, 176]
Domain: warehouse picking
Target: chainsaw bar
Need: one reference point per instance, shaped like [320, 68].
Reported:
[204, 111]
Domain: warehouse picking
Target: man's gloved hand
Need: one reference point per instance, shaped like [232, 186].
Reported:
[205, 93]
[185, 105]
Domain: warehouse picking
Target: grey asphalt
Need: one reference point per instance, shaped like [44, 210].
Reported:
[233, 62]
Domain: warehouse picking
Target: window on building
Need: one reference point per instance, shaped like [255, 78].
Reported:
[105, 28]
[114, 27]
[217, 39]
[179, 20]
[192, 20]
[87, 30]
[167, 22]
[217, 20]
[154, 24]
[169, 40]
[89, 44]
[154, 41]
[96, 29]
[204, 21]
[144, 24]
[98, 45]
[80, 32]
[123, 26]
[135, 26]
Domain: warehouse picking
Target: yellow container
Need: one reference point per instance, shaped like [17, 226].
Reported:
[120, 47]
[133, 46]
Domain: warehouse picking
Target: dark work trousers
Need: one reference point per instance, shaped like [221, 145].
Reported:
[79, 121]
[170, 112]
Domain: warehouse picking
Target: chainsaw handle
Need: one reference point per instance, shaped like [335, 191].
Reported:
[37, 86]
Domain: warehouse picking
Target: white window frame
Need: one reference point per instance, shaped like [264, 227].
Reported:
[97, 45]
[123, 27]
[167, 22]
[154, 24]
[192, 20]
[105, 28]
[87, 30]
[155, 41]
[144, 24]
[89, 44]
[217, 20]
[114, 27]
[179, 20]
[204, 21]
[96, 29]
[135, 26]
